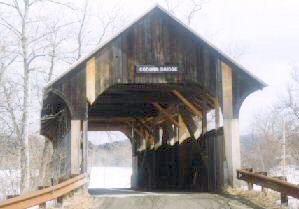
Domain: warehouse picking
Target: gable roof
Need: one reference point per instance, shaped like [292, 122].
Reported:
[220, 54]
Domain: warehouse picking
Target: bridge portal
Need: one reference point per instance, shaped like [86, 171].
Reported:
[158, 82]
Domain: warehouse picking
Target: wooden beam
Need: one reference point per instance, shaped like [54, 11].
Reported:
[161, 120]
[91, 80]
[147, 130]
[188, 125]
[188, 104]
[172, 110]
[204, 123]
[110, 119]
[143, 135]
[217, 114]
[144, 125]
[166, 114]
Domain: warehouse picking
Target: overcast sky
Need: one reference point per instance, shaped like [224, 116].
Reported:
[261, 35]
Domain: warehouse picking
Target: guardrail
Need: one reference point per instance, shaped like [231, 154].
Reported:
[41, 196]
[278, 184]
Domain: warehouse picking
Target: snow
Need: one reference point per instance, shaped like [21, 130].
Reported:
[9, 182]
[110, 177]
[292, 173]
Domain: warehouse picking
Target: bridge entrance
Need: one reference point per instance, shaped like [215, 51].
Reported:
[168, 133]
[156, 82]
[109, 160]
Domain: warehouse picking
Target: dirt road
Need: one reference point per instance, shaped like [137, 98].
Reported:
[128, 199]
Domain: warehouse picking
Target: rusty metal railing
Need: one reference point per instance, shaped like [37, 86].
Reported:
[41, 196]
[278, 184]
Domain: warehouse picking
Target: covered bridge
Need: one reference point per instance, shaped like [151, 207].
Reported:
[156, 82]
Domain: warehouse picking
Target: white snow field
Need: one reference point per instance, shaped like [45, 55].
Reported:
[110, 177]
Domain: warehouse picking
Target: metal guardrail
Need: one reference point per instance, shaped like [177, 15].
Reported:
[275, 183]
[44, 195]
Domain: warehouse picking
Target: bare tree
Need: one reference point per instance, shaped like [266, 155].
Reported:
[196, 7]
[30, 46]
[263, 146]
[290, 107]
[84, 30]
[37, 49]
[80, 35]
[171, 5]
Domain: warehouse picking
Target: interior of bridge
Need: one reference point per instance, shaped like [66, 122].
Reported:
[167, 126]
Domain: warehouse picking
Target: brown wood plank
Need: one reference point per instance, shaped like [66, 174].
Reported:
[166, 114]
[188, 104]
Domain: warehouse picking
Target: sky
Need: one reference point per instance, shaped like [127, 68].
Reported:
[261, 35]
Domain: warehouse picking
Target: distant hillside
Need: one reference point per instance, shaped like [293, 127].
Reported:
[110, 154]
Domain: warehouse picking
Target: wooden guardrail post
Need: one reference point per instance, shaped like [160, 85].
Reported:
[283, 197]
[42, 205]
[250, 180]
[278, 184]
[264, 190]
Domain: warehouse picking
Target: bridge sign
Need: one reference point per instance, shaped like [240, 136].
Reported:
[157, 69]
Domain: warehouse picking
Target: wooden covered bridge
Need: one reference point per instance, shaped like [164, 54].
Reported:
[156, 82]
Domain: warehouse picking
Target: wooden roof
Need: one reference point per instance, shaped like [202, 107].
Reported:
[235, 66]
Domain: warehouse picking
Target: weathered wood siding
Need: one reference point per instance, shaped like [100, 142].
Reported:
[72, 89]
[156, 39]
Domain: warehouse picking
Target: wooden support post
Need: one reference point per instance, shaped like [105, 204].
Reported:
[188, 104]
[165, 113]
[85, 146]
[231, 129]
[217, 114]
[75, 146]
[204, 122]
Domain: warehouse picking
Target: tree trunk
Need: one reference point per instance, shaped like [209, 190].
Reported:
[44, 162]
[25, 155]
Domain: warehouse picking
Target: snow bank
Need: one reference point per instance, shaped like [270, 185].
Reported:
[110, 177]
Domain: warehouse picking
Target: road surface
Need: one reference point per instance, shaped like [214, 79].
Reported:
[129, 199]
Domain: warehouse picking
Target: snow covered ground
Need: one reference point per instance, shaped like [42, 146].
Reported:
[9, 183]
[292, 173]
[110, 177]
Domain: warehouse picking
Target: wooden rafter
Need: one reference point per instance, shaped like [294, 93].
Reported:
[166, 114]
[188, 104]
[143, 134]
[145, 127]
[187, 122]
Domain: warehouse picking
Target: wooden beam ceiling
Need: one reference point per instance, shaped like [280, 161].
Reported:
[166, 114]
[187, 103]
